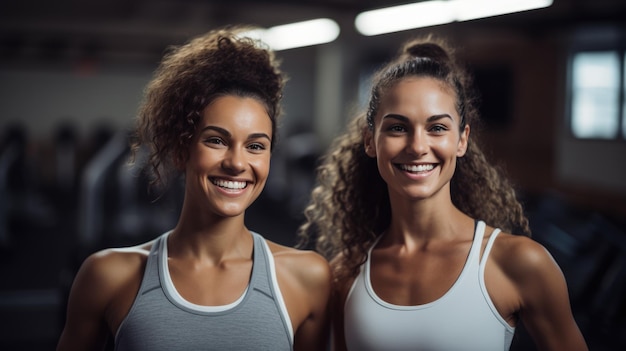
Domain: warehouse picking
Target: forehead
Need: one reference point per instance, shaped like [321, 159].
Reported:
[238, 113]
[418, 86]
[416, 96]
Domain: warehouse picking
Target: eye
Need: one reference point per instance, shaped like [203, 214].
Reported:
[213, 140]
[396, 128]
[257, 146]
[438, 128]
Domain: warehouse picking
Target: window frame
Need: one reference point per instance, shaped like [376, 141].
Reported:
[618, 47]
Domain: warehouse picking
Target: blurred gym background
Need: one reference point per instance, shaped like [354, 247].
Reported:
[72, 72]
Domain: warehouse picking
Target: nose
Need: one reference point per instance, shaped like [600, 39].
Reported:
[234, 161]
[417, 143]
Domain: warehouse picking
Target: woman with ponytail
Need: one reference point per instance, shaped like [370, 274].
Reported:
[429, 245]
[210, 115]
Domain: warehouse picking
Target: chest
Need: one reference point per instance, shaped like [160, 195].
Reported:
[157, 323]
[419, 278]
[209, 285]
[435, 302]
[189, 307]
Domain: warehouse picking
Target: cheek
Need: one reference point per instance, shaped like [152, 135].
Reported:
[386, 151]
[388, 146]
[449, 144]
[201, 160]
[261, 166]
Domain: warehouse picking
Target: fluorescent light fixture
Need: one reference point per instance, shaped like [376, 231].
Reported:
[299, 34]
[435, 12]
[403, 17]
[465, 10]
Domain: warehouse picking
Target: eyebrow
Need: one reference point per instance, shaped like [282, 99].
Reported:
[406, 120]
[227, 134]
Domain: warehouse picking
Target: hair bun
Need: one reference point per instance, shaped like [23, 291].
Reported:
[427, 50]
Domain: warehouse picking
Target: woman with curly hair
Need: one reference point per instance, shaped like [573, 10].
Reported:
[210, 114]
[417, 224]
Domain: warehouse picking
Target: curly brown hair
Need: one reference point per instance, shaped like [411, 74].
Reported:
[349, 207]
[220, 62]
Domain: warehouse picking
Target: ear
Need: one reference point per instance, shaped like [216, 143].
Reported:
[368, 141]
[462, 146]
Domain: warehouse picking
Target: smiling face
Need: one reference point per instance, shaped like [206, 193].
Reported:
[416, 138]
[229, 157]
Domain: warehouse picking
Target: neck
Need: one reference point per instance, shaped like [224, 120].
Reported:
[426, 219]
[209, 237]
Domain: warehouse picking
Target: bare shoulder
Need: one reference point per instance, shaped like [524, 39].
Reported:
[107, 270]
[101, 295]
[540, 292]
[307, 265]
[113, 260]
[521, 257]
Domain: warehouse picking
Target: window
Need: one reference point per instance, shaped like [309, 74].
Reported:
[595, 99]
[597, 95]
[624, 96]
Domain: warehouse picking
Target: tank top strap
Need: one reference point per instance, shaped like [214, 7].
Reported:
[150, 278]
[479, 234]
[488, 247]
[364, 270]
[264, 279]
[260, 278]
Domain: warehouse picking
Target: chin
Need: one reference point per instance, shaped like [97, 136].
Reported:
[232, 212]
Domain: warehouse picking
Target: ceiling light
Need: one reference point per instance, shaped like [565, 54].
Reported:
[403, 17]
[435, 12]
[472, 9]
[299, 34]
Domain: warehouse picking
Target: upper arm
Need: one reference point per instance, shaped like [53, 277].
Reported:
[339, 295]
[544, 300]
[85, 327]
[316, 279]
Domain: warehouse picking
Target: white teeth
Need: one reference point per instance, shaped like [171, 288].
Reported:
[417, 168]
[229, 184]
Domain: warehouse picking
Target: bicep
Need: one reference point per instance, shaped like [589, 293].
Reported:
[338, 302]
[338, 336]
[545, 310]
[85, 328]
[313, 333]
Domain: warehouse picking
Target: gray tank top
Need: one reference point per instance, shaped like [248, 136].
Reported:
[160, 319]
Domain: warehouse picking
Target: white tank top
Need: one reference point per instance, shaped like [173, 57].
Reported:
[464, 318]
